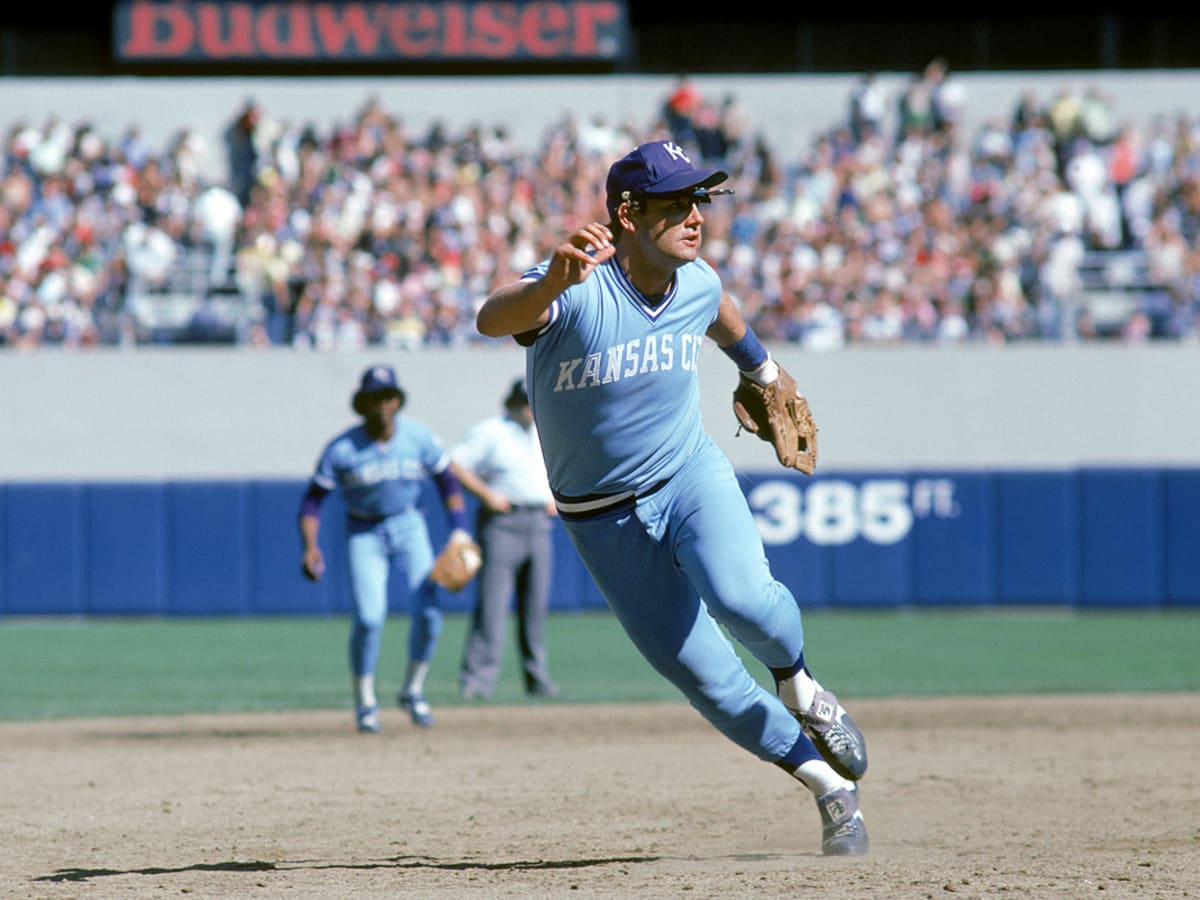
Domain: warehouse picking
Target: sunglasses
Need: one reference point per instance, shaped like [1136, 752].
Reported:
[682, 204]
[678, 204]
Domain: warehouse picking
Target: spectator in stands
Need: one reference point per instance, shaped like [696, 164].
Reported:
[242, 150]
[737, 130]
[915, 112]
[216, 212]
[868, 108]
[679, 109]
[374, 234]
[1027, 113]
[947, 96]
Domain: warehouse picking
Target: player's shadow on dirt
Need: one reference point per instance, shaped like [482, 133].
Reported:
[176, 734]
[395, 862]
[409, 862]
[89, 874]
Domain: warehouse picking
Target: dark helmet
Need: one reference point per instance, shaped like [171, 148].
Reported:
[517, 396]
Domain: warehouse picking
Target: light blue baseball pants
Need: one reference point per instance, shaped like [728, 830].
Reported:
[398, 547]
[687, 560]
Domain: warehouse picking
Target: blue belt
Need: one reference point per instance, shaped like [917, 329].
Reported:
[375, 520]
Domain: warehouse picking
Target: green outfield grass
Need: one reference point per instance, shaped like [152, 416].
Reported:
[68, 667]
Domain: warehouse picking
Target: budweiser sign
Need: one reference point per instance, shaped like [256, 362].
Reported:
[369, 32]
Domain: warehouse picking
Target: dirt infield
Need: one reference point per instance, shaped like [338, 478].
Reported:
[1039, 797]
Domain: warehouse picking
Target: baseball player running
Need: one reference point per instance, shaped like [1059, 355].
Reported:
[613, 323]
[379, 466]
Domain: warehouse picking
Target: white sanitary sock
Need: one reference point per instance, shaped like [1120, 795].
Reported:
[414, 684]
[364, 691]
[818, 776]
[797, 692]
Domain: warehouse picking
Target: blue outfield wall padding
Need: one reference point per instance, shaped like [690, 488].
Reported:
[1181, 488]
[1123, 519]
[280, 562]
[1091, 538]
[277, 584]
[1037, 538]
[125, 560]
[43, 552]
[3, 546]
[208, 551]
[954, 538]
[866, 523]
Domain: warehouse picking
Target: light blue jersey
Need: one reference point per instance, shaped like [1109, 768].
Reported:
[381, 480]
[613, 381]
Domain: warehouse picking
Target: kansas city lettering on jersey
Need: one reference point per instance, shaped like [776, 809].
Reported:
[654, 353]
[380, 470]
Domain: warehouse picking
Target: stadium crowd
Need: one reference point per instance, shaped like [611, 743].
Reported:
[895, 226]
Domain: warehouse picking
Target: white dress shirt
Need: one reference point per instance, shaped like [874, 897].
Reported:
[507, 457]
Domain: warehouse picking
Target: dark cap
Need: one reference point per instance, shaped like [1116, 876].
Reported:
[656, 168]
[517, 396]
[377, 380]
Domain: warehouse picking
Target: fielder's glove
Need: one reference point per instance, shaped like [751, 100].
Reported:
[458, 562]
[777, 413]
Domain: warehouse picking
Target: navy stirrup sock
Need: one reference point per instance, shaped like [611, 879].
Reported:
[786, 672]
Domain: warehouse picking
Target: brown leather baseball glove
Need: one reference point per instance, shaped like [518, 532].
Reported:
[778, 414]
[458, 562]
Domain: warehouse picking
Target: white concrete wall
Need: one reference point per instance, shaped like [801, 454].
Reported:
[151, 414]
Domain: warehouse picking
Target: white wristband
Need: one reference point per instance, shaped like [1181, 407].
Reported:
[764, 374]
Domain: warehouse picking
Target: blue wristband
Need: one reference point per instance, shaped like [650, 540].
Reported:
[747, 353]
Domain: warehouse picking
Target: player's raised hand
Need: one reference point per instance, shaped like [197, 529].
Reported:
[577, 257]
[523, 306]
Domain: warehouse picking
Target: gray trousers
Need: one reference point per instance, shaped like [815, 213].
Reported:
[517, 561]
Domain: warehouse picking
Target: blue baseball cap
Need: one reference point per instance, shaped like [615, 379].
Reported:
[656, 168]
[377, 380]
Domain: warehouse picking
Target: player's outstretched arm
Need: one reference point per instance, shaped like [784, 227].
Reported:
[312, 561]
[524, 305]
[739, 342]
[517, 307]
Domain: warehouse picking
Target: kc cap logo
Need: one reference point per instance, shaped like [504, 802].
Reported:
[676, 151]
[655, 169]
[378, 378]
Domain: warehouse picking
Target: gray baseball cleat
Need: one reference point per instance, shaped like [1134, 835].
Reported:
[835, 735]
[418, 710]
[367, 719]
[843, 831]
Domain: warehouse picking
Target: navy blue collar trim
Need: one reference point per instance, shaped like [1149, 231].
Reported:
[651, 311]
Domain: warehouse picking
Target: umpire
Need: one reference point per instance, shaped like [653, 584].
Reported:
[499, 460]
